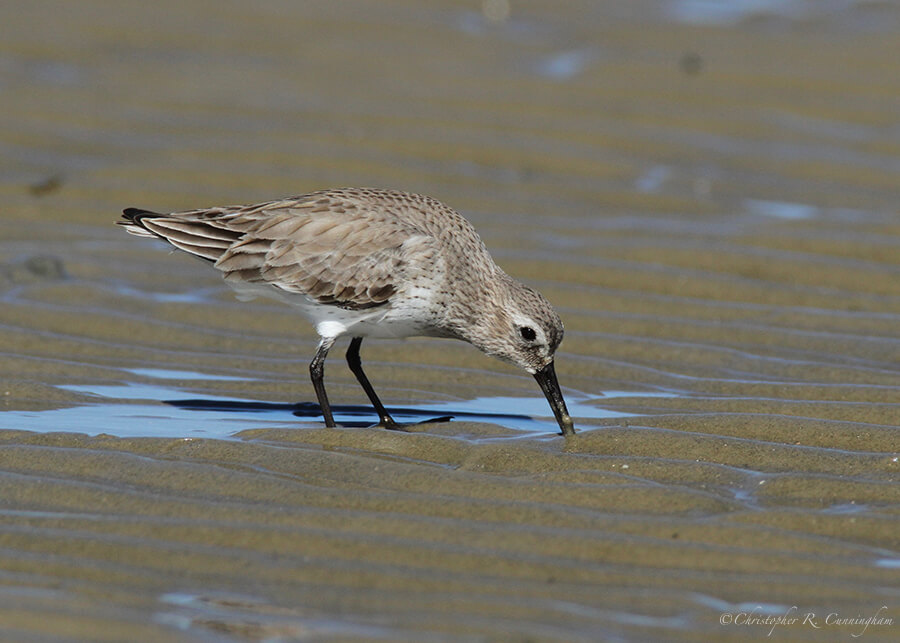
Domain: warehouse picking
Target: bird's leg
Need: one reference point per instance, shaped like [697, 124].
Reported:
[355, 364]
[317, 373]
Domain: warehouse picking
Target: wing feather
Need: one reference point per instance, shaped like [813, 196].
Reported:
[325, 246]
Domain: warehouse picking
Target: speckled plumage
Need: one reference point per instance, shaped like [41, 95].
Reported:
[371, 263]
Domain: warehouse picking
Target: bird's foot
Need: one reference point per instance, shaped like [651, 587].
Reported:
[389, 423]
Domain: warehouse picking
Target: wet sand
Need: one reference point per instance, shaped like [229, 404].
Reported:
[712, 206]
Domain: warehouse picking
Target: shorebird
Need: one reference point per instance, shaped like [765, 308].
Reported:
[364, 263]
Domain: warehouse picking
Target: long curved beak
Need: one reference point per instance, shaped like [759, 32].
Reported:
[546, 378]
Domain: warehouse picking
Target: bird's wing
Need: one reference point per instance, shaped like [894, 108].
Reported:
[334, 252]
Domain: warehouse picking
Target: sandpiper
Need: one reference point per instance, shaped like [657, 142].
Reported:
[372, 263]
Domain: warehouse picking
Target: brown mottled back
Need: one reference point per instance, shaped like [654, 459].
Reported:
[346, 247]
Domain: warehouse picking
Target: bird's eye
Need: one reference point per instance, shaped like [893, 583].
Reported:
[527, 333]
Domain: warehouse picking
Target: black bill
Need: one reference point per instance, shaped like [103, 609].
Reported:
[546, 378]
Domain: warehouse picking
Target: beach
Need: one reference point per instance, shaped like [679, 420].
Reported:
[708, 200]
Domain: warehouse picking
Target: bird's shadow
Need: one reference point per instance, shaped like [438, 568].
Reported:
[366, 414]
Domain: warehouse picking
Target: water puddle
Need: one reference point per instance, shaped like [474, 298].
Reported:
[149, 410]
[255, 619]
[710, 12]
[166, 374]
[198, 295]
[848, 508]
[565, 64]
[781, 209]
[720, 605]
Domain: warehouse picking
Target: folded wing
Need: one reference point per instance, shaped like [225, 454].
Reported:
[331, 252]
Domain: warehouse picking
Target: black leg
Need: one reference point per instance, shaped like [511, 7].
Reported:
[355, 364]
[317, 373]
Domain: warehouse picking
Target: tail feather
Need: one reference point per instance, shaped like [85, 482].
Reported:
[132, 213]
[131, 219]
[199, 238]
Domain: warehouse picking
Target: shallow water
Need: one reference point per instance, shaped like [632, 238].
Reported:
[708, 196]
[123, 411]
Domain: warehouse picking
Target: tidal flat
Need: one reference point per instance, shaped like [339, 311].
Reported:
[709, 200]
